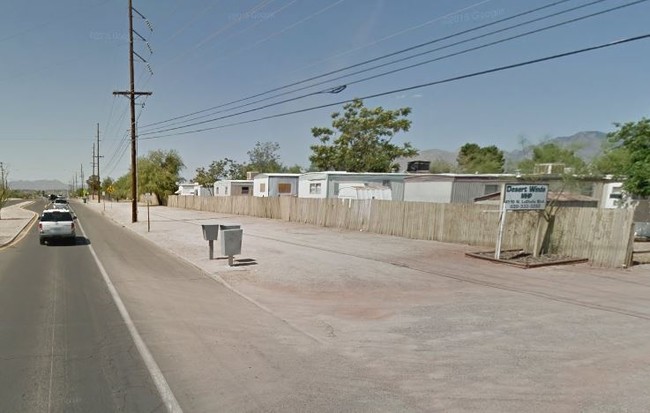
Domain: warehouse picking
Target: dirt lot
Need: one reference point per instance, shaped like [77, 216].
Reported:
[443, 331]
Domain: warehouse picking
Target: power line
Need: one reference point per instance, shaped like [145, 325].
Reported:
[393, 35]
[404, 59]
[408, 49]
[168, 129]
[255, 8]
[419, 86]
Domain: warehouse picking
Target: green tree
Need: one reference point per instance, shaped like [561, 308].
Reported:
[108, 181]
[159, 173]
[223, 169]
[122, 187]
[549, 152]
[93, 184]
[629, 156]
[296, 169]
[364, 139]
[439, 166]
[5, 191]
[264, 158]
[473, 158]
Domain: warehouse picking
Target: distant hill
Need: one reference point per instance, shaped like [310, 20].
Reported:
[587, 145]
[40, 185]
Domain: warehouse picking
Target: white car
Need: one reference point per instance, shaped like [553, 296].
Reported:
[57, 224]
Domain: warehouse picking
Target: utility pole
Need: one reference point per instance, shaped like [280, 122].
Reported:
[132, 95]
[99, 181]
[93, 164]
[82, 180]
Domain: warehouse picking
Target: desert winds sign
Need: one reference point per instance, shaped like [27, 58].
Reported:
[525, 196]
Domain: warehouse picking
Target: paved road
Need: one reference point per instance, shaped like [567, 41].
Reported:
[63, 345]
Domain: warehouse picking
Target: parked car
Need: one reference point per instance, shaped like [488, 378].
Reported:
[57, 224]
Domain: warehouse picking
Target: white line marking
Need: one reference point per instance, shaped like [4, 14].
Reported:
[49, 394]
[161, 383]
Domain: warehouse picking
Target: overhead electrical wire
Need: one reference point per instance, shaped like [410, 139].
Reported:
[385, 56]
[393, 35]
[412, 57]
[211, 36]
[419, 86]
[168, 129]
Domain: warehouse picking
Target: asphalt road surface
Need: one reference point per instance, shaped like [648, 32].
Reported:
[63, 345]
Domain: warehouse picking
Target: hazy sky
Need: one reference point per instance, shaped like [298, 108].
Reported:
[60, 62]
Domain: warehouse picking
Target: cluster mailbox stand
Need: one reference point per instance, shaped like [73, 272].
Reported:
[231, 239]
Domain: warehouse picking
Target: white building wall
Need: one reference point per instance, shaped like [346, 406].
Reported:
[221, 188]
[438, 192]
[189, 189]
[614, 196]
[312, 187]
[261, 185]
[276, 181]
[364, 192]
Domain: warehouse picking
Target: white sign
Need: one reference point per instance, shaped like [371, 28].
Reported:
[525, 196]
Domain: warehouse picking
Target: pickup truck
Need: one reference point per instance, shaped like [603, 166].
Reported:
[57, 224]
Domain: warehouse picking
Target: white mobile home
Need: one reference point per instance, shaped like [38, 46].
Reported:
[352, 185]
[453, 188]
[233, 187]
[192, 189]
[275, 184]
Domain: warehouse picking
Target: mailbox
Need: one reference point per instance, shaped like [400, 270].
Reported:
[231, 240]
[210, 232]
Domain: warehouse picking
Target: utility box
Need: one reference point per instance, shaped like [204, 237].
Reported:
[231, 240]
[210, 232]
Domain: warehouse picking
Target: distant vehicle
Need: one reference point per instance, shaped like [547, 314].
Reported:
[57, 224]
[61, 207]
[60, 200]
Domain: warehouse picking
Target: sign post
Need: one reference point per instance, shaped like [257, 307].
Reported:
[148, 197]
[519, 197]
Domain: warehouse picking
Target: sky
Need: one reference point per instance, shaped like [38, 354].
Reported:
[61, 62]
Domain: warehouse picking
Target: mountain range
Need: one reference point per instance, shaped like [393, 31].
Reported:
[587, 145]
[40, 185]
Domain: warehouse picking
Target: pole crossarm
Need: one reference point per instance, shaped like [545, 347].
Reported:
[128, 93]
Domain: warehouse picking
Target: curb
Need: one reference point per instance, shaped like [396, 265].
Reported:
[20, 233]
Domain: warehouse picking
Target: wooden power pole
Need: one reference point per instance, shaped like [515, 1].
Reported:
[132, 95]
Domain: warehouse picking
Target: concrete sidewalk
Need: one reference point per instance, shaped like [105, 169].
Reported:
[14, 220]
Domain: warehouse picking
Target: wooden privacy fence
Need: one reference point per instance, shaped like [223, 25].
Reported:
[604, 236]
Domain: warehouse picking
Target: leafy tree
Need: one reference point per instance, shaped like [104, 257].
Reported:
[614, 161]
[159, 172]
[264, 158]
[93, 183]
[364, 140]
[439, 166]
[222, 169]
[549, 152]
[473, 158]
[122, 187]
[629, 156]
[108, 181]
[5, 191]
[296, 169]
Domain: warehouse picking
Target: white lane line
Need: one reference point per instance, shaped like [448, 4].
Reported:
[161, 383]
[49, 394]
